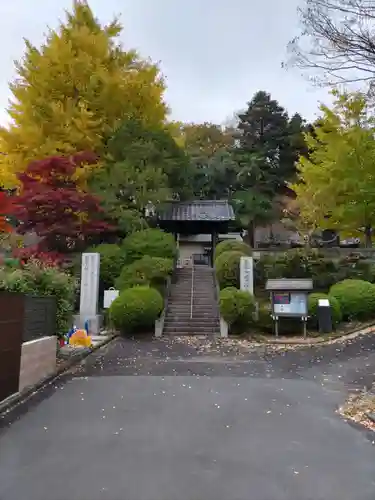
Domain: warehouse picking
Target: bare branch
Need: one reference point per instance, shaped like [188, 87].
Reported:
[337, 41]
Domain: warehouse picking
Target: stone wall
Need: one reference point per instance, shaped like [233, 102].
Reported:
[38, 360]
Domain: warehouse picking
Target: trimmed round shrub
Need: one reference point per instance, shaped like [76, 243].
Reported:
[356, 298]
[136, 309]
[227, 267]
[265, 321]
[313, 302]
[152, 271]
[232, 246]
[112, 260]
[237, 308]
[152, 242]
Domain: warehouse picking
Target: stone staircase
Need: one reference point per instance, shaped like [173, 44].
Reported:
[192, 306]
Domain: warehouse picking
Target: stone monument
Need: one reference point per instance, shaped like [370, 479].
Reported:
[88, 310]
[247, 274]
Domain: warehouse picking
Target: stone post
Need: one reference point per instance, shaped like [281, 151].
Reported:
[88, 310]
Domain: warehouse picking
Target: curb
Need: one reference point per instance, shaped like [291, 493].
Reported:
[12, 402]
[321, 341]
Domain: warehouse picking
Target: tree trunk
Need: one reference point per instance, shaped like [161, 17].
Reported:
[251, 234]
[368, 236]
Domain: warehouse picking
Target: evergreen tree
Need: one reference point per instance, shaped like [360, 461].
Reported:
[143, 165]
[268, 145]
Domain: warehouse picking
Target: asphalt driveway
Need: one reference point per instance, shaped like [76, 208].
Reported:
[159, 420]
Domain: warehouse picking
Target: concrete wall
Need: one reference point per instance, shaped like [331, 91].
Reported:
[38, 360]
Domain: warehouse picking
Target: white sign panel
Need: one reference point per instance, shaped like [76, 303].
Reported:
[89, 284]
[109, 296]
[247, 274]
[296, 306]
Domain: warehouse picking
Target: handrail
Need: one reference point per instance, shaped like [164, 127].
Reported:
[192, 292]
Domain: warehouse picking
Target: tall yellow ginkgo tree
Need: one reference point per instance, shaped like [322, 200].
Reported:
[74, 91]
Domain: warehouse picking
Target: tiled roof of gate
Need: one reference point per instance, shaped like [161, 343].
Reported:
[202, 210]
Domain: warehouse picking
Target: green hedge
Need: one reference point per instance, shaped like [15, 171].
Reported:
[237, 308]
[136, 309]
[302, 263]
[152, 242]
[313, 302]
[356, 298]
[151, 271]
[37, 279]
[112, 260]
[232, 246]
[227, 267]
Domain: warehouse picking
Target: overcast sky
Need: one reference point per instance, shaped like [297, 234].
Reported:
[215, 54]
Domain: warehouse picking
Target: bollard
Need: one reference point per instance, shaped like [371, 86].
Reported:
[324, 316]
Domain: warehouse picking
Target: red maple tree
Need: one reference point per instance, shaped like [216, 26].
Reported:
[6, 208]
[51, 204]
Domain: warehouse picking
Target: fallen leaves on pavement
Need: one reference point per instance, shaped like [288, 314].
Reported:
[358, 407]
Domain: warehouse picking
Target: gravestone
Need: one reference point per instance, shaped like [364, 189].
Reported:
[88, 310]
[247, 274]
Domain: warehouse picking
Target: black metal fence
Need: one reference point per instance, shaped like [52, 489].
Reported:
[39, 317]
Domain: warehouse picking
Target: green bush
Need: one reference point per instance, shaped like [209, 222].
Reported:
[150, 271]
[112, 260]
[265, 321]
[237, 308]
[40, 280]
[227, 267]
[232, 246]
[313, 308]
[356, 298]
[136, 309]
[303, 263]
[152, 242]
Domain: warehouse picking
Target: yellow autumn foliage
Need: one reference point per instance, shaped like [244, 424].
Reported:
[73, 91]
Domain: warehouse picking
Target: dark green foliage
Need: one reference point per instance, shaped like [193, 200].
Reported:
[313, 308]
[268, 145]
[272, 139]
[264, 321]
[356, 298]
[38, 279]
[227, 267]
[152, 242]
[232, 245]
[303, 263]
[237, 308]
[151, 271]
[136, 309]
[142, 164]
[112, 260]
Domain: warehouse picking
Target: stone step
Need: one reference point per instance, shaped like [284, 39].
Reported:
[199, 315]
[213, 321]
[197, 286]
[168, 330]
[201, 304]
[185, 306]
[187, 296]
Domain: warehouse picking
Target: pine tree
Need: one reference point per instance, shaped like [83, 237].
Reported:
[71, 93]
